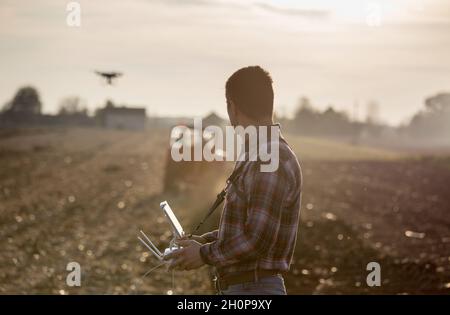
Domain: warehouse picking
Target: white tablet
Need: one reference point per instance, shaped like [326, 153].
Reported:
[172, 219]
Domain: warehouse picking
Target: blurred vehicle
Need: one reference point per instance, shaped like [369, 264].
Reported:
[183, 175]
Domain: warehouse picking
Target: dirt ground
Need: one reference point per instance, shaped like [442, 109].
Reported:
[83, 195]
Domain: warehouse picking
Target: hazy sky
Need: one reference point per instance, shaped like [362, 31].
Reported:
[177, 54]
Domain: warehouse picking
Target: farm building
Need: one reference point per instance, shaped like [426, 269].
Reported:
[212, 119]
[122, 118]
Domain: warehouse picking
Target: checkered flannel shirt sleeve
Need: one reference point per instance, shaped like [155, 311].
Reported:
[262, 223]
[210, 236]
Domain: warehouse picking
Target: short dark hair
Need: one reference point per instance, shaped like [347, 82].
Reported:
[251, 91]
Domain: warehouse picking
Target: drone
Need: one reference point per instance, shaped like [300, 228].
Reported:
[109, 76]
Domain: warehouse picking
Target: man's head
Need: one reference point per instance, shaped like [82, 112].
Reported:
[249, 95]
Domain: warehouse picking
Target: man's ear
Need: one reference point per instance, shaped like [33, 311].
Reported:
[232, 107]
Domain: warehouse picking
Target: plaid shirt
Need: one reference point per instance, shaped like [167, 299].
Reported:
[259, 222]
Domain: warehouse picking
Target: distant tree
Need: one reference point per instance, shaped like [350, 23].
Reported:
[26, 101]
[331, 114]
[304, 107]
[6, 107]
[373, 111]
[439, 103]
[330, 122]
[305, 117]
[334, 122]
[434, 120]
[109, 104]
[72, 105]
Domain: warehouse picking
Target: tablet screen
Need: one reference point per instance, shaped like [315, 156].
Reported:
[172, 218]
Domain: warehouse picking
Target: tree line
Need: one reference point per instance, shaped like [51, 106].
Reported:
[433, 120]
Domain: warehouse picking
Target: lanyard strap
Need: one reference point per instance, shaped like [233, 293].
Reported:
[220, 197]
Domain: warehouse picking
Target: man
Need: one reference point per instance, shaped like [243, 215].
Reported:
[256, 238]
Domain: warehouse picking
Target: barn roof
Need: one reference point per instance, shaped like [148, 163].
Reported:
[212, 119]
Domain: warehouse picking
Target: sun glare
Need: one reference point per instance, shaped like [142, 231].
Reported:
[355, 11]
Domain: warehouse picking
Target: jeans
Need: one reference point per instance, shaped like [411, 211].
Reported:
[273, 285]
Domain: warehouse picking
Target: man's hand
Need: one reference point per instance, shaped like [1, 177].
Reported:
[186, 258]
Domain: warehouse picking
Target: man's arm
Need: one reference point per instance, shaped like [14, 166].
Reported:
[262, 224]
[210, 236]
